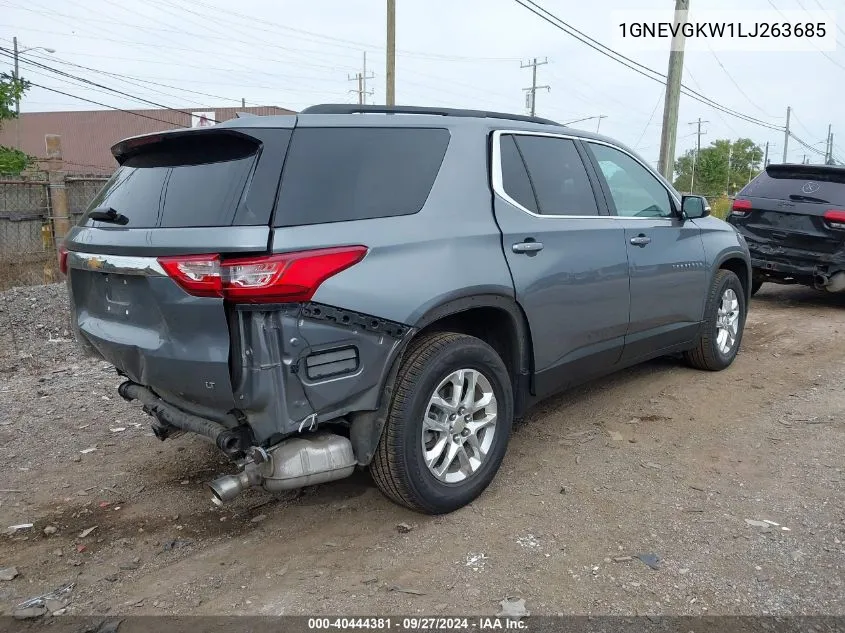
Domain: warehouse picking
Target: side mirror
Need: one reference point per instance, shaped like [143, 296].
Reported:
[695, 207]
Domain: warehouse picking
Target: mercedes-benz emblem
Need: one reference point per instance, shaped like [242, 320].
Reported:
[810, 187]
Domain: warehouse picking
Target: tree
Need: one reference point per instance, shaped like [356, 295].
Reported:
[711, 167]
[12, 160]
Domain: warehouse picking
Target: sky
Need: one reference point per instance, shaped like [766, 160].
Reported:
[456, 53]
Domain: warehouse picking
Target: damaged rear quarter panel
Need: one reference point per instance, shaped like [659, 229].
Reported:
[271, 383]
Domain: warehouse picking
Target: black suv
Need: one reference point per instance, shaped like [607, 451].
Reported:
[793, 218]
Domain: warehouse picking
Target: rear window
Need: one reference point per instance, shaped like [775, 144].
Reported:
[181, 182]
[807, 183]
[343, 174]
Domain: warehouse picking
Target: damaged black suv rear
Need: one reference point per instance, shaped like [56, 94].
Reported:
[793, 218]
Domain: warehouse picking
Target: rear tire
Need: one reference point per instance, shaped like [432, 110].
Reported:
[426, 416]
[755, 286]
[717, 347]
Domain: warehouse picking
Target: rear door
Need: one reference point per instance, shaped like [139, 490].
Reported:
[198, 196]
[665, 254]
[566, 256]
[785, 207]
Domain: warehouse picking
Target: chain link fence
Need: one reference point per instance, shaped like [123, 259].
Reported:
[27, 243]
[26, 246]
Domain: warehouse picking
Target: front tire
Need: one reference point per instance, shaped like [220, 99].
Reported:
[448, 425]
[724, 322]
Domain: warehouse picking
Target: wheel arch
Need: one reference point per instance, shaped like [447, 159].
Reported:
[741, 267]
[496, 319]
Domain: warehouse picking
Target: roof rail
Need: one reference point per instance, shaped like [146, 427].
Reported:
[345, 108]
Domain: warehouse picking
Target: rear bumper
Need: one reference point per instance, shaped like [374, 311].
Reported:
[296, 366]
[277, 369]
[778, 263]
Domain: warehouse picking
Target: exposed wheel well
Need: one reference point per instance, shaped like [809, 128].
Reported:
[740, 269]
[492, 325]
[497, 328]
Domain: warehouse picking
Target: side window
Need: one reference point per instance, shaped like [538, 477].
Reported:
[635, 191]
[557, 175]
[514, 176]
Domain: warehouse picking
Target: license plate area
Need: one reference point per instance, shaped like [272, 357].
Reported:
[116, 290]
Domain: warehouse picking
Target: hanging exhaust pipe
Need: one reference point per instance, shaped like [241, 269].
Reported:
[836, 282]
[224, 489]
[831, 283]
[295, 463]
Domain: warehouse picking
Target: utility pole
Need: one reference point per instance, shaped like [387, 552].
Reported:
[786, 133]
[360, 90]
[364, 79]
[830, 160]
[697, 150]
[531, 93]
[766, 157]
[361, 78]
[17, 75]
[828, 149]
[243, 102]
[673, 95]
[391, 52]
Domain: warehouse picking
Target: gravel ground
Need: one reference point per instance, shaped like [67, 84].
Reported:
[732, 482]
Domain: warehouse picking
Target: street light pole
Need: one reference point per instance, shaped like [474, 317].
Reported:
[16, 74]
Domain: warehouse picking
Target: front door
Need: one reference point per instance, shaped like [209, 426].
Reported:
[665, 254]
[567, 257]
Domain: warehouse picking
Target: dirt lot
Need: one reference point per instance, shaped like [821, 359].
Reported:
[657, 460]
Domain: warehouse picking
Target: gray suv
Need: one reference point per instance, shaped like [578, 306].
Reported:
[361, 286]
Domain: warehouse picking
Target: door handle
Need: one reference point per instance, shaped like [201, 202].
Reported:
[527, 247]
[641, 240]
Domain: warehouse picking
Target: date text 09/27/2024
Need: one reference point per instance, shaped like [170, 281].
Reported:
[416, 624]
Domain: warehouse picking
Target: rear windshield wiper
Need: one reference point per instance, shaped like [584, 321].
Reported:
[107, 214]
[800, 198]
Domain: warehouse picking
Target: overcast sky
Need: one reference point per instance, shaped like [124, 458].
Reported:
[459, 53]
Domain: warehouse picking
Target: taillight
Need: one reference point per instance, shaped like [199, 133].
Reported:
[283, 278]
[741, 207]
[62, 256]
[199, 275]
[835, 218]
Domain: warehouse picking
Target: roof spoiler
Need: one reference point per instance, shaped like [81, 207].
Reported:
[799, 168]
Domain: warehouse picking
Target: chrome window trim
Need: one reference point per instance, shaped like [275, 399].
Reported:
[498, 181]
[118, 264]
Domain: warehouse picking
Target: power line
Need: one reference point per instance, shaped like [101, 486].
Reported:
[656, 105]
[127, 79]
[643, 70]
[336, 41]
[105, 105]
[734, 82]
[819, 5]
[807, 145]
[718, 114]
[826, 56]
[806, 129]
[62, 73]
[224, 35]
